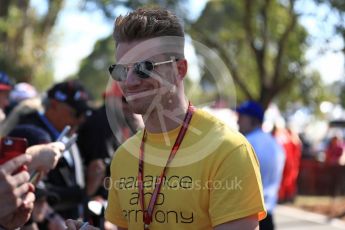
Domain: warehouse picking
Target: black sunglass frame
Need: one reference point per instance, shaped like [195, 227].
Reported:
[140, 68]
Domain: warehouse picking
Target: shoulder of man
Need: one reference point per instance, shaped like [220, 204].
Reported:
[222, 131]
[131, 144]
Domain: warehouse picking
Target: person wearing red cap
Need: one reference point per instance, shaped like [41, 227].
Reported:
[6, 86]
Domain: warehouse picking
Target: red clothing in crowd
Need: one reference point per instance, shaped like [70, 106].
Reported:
[293, 149]
[334, 151]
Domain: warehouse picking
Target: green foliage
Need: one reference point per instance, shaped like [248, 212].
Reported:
[342, 95]
[338, 10]
[337, 4]
[108, 6]
[23, 41]
[93, 69]
[338, 88]
[309, 92]
[260, 41]
[338, 7]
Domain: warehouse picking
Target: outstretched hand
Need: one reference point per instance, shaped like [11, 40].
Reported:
[13, 187]
[75, 225]
[16, 193]
[45, 156]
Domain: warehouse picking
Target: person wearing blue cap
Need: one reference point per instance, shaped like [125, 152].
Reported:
[270, 155]
[6, 86]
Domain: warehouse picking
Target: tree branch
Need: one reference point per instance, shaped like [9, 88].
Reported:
[282, 42]
[4, 6]
[259, 52]
[229, 63]
[285, 84]
[249, 32]
[262, 68]
[19, 39]
[47, 23]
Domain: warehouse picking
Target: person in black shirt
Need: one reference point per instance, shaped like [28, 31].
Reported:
[65, 104]
[102, 133]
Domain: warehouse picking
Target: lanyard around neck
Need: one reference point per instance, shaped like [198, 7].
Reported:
[147, 213]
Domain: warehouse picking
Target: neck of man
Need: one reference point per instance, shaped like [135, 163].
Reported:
[168, 118]
[253, 129]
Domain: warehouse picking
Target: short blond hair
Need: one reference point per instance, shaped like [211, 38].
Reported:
[145, 24]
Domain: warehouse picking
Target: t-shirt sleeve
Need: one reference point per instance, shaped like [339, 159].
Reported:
[113, 213]
[236, 188]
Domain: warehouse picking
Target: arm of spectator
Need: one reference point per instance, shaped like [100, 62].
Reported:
[75, 225]
[16, 194]
[44, 212]
[118, 228]
[21, 215]
[95, 176]
[247, 223]
[13, 187]
[45, 156]
[56, 222]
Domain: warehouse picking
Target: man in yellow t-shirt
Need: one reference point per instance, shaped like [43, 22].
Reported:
[223, 186]
[186, 169]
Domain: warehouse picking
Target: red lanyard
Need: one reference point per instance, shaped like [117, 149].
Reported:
[147, 213]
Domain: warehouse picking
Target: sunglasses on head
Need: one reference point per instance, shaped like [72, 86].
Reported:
[142, 69]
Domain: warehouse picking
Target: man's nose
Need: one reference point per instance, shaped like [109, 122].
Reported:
[132, 78]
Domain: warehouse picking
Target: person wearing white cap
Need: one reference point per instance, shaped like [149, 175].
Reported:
[22, 91]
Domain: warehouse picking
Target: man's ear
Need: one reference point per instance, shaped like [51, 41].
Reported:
[182, 67]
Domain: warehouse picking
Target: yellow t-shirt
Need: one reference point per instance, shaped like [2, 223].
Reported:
[214, 178]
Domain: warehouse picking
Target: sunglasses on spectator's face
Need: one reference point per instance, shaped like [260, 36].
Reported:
[142, 69]
[75, 113]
